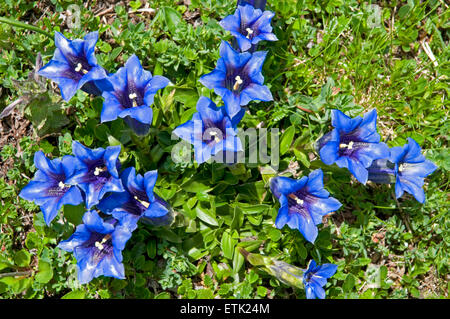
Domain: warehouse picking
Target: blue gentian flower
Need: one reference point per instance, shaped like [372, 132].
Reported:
[407, 167]
[411, 168]
[133, 92]
[74, 66]
[315, 277]
[249, 26]
[97, 246]
[210, 131]
[237, 78]
[100, 175]
[353, 143]
[50, 188]
[137, 201]
[303, 203]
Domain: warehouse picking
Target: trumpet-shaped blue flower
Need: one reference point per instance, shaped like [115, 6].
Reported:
[249, 26]
[97, 246]
[407, 167]
[133, 92]
[303, 203]
[137, 201]
[353, 143]
[315, 277]
[50, 187]
[210, 131]
[74, 66]
[100, 175]
[237, 78]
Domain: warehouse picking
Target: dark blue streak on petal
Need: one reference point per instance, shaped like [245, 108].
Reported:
[134, 90]
[295, 207]
[105, 240]
[345, 151]
[134, 207]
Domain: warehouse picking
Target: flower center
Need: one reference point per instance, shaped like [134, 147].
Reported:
[249, 32]
[238, 82]
[401, 168]
[349, 145]
[216, 138]
[132, 97]
[61, 185]
[80, 68]
[144, 203]
[297, 200]
[99, 244]
[308, 276]
[99, 170]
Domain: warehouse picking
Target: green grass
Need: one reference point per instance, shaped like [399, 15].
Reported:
[330, 54]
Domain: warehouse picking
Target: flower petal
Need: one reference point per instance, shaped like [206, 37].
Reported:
[327, 270]
[111, 158]
[255, 92]
[143, 114]
[343, 122]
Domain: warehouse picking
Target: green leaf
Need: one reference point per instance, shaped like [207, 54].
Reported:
[253, 209]
[74, 294]
[172, 19]
[151, 248]
[189, 98]
[274, 234]
[168, 235]
[74, 214]
[163, 295]
[227, 244]
[34, 241]
[205, 294]
[46, 116]
[45, 273]
[302, 157]
[206, 215]
[22, 258]
[286, 139]
[349, 283]
[195, 185]
[261, 291]
[115, 53]
[238, 261]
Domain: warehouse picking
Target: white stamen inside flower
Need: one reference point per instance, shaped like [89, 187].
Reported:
[99, 245]
[61, 185]
[98, 170]
[132, 97]
[144, 203]
[216, 138]
[401, 167]
[349, 145]
[249, 32]
[79, 67]
[297, 200]
[237, 83]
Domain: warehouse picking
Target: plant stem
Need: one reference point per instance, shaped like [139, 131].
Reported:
[17, 274]
[23, 25]
[404, 217]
